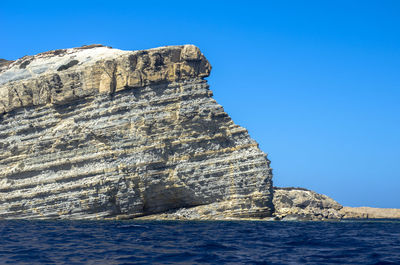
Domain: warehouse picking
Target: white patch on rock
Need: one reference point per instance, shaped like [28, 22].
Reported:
[47, 63]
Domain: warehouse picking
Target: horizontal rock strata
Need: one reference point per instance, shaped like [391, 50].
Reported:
[95, 132]
[290, 204]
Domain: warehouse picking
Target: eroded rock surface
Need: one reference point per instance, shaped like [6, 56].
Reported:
[95, 132]
[303, 204]
[290, 204]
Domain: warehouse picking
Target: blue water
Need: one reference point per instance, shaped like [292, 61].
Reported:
[210, 242]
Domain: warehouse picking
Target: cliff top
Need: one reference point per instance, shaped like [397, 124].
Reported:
[63, 75]
[50, 61]
[61, 59]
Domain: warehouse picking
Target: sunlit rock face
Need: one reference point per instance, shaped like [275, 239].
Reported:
[303, 204]
[95, 132]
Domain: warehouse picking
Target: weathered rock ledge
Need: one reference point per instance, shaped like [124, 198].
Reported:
[290, 204]
[62, 76]
[100, 133]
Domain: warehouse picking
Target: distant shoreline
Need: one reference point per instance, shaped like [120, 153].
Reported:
[370, 213]
[294, 203]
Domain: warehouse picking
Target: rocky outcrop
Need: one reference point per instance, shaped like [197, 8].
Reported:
[299, 204]
[212, 211]
[303, 204]
[369, 213]
[95, 132]
[290, 204]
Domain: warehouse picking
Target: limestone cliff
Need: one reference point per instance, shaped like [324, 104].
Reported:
[95, 132]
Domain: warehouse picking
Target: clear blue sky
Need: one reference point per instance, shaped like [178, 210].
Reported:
[316, 83]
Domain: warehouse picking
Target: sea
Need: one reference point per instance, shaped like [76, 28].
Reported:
[200, 242]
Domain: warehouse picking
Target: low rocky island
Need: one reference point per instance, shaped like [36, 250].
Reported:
[303, 204]
[100, 133]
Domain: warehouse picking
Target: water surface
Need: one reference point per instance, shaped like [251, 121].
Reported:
[208, 242]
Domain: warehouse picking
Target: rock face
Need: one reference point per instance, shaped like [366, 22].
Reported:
[95, 132]
[303, 204]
